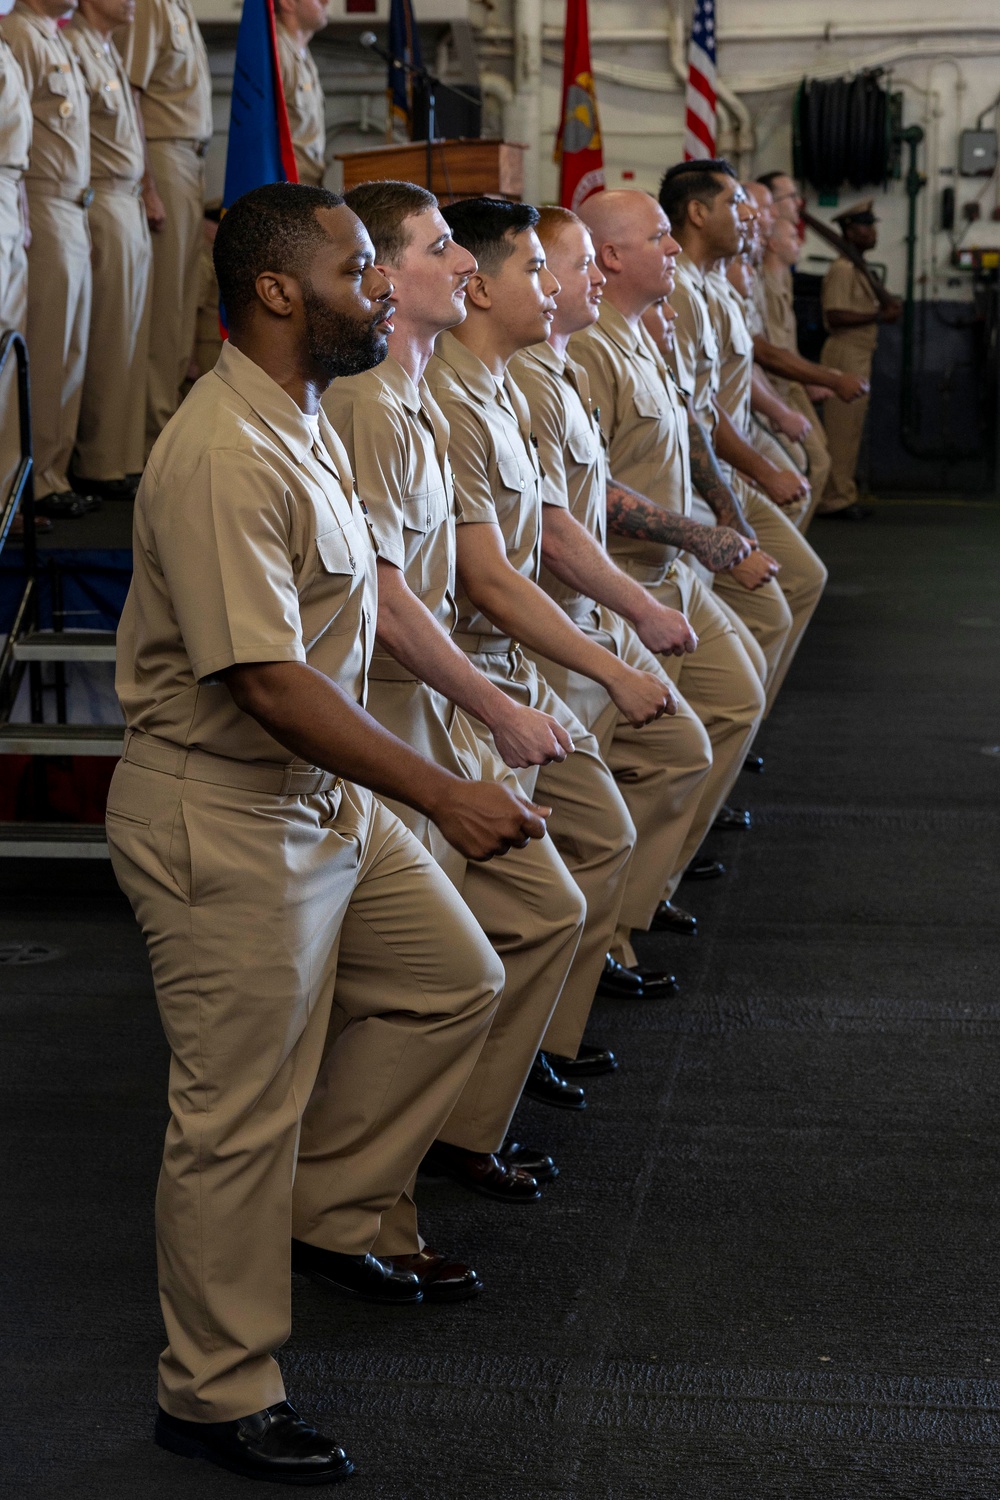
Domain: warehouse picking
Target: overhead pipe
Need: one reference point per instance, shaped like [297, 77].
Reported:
[528, 88]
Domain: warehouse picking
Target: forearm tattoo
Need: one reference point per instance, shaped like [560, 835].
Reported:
[631, 514]
[706, 476]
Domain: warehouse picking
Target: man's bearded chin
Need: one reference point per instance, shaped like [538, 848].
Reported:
[340, 345]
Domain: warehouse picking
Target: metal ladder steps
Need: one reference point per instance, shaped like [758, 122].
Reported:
[65, 645]
[53, 841]
[61, 739]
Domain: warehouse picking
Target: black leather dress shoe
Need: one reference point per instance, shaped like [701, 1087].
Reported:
[483, 1172]
[589, 1062]
[853, 512]
[704, 867]
[732, 819]
[66, 507]
[545, 1085]
[618, 983]
[273, 1444]
[754, 764]
[529, 1159]
[440, 1280]
[670, 918]
[106, 489]
[360, 1276]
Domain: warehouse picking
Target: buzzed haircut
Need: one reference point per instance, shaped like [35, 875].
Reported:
[553, 220]
[486, 228]
[272, 228]
[692, 181]
[383, 208]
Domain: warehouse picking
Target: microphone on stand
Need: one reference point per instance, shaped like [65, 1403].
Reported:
[369, 40]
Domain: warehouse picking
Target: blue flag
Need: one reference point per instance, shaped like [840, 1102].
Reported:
[404, 44]
[260, 142]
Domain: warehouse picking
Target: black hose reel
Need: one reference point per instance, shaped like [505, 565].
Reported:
[845, 130]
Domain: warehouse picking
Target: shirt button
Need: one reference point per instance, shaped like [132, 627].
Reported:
[352, 563]
[65, 109]
[521, 486]
[428, 518]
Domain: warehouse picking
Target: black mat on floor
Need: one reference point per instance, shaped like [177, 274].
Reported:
[769, 1267]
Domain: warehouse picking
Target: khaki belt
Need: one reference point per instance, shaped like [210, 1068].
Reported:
[484, 645]
[198, 147]
[42, 188]
[218, 770]
[118, 185]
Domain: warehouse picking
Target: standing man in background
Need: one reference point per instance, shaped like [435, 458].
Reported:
[109, 447]
[15, 141]
[298, 22]
[59, 284]
[168, 66]
[851, 315]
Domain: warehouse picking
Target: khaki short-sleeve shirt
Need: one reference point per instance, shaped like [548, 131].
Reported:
[571, 452]
[165, 58]
[645, 425]
[249, 546]
[306, 110]
[497, 474]
[735, 342]
[397, 441]
[115, 134]
[60, 141]
[694, 355]
[781, 328]
[15, 114]
[846, 289]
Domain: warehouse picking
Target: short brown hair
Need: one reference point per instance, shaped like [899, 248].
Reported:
[383, 208]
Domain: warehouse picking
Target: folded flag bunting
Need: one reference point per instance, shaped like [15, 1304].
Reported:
[579, 150]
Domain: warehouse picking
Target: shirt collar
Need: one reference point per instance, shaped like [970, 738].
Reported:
[274, 406]
[396, 380]
[546, 356]
[40, 23]
[688, 271]
[468, 367]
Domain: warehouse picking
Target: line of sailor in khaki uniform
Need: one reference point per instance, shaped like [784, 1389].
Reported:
[432, 695]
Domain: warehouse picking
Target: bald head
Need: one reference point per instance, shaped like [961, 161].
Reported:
[634, 247]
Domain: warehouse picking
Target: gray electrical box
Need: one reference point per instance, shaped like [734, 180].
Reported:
[977, 153]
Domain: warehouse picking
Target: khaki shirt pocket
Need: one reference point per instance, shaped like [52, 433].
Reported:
[56, 107]
[649, 404]
[582, 444]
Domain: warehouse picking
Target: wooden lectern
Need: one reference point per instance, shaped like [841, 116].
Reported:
[461, 169]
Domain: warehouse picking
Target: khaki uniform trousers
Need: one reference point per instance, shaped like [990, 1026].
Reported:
[527, 904]
[13, 314]
[660, 771]
[111, 437]
[845, 424]
[817, 452]
[59, 295]
[720, 681]
[325, 992]
[590, 826]
[180, 180]
[775, 615]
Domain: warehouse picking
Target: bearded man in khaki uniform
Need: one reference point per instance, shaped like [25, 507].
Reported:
[425, 690]
[167, 63]
[59, 280]
[323, 987]
[110, 440]
[298, 22]
[851, 315]
[15, 141]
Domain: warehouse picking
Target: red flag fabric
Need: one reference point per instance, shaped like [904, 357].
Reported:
[579, 149]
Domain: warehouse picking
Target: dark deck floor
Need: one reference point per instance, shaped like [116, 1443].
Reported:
[769, 1268]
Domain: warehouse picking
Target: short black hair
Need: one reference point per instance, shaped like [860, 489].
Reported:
[272, 228]
[768, 179]
[689, 181]
[483, 227]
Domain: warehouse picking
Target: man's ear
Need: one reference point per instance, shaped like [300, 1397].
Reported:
[477, 292]
[278, 293]
[697, 213]
[608, 257]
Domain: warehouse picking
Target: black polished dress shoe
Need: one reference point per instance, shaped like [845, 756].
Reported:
[618, 983]
[67, 506]
[704, 867]
[105, 489]
[754, 764]
[483, 1172]
[529, 1159]
[273, 1444]
[545, 1085]
[853, 512]
[732, 819]
[440, 1280]
[670, 918]
[589, 1062]
[361, 1276]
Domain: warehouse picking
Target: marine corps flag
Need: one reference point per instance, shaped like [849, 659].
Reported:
[578, 144]
[260, 142]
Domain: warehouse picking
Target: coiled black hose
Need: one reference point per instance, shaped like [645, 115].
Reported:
[840, 131]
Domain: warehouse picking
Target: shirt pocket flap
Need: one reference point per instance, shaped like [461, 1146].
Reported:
[59, 83]
[427, 511]
[649, 403]
[582, 445]
[338, 551]
[511, 474]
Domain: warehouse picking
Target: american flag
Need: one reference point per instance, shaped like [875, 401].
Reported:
[699, 114]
